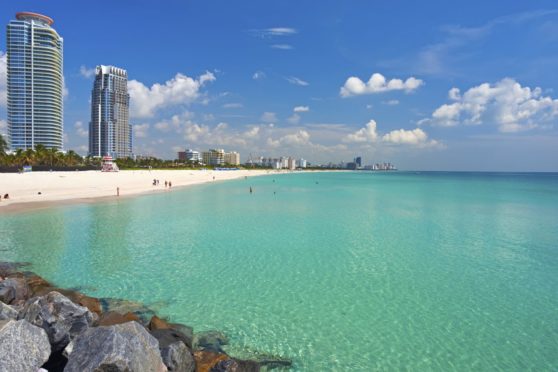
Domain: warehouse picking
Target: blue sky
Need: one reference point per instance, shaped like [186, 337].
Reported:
[437, 85]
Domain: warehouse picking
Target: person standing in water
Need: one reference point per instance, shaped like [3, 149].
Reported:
[250, 189]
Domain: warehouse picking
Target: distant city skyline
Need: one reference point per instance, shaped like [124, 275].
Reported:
[425, 86]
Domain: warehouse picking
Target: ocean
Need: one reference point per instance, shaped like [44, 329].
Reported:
[339, 271]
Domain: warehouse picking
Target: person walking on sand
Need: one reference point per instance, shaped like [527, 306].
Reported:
[166, 183]
[170, 184]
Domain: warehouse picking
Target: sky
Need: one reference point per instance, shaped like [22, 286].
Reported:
[429, 85]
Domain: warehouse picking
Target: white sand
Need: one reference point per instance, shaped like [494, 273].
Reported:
[24, 188]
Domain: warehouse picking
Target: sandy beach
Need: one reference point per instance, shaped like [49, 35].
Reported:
[41, 189]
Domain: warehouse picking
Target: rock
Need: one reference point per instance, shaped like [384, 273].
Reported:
[236, 365]
[19, 286]
[112, 318]
[37, 285]
[210, 340]
[170, 336]
[125, 306]
[122, 347]
[7, 294]
[7, 312]
[158, 323]
[205, 360]
[59, 317]
[178, 358]
[92, 303]
[23, 346]
[8, 268]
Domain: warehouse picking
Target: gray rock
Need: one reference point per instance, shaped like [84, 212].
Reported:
[178, 358]
[7, 312]
[210, 340]
[126, 347]
[20, 288]
[62, 319]
[7, 294]
[169, 336]
[23, 346]
[236, 365]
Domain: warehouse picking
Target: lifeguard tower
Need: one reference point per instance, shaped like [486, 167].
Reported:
[108, 165]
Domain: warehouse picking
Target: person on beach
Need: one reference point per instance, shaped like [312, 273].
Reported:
[170, 184]
[6, 196]
[166, 183]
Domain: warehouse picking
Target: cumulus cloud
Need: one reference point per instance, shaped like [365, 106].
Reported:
[140, 130]
[512, 107]
[294, 119]
[269, 117]
[301, 109]
[86, 72]
[296, 81]
[181, 89]
[81, 130]
[416, 137]
[258, 75]
[366, 134]
[3, 83]
[378, 84]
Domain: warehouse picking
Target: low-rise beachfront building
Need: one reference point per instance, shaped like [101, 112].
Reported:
[189, 155]
[232, 158]
[213, 157]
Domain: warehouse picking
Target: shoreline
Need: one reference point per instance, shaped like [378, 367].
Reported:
[87, 187]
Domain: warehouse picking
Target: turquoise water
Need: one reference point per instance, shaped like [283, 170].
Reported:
[338, 271]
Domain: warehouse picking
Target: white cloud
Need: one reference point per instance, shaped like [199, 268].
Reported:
[274, 31]
[296, 81]
[282, 46]
[3, 82]
[181, 89]
[86, 72]
[416, 137]
[378, 84]
[140, 130]
[301, 109]
[391, 102]
[269, 117]
[507, 104]
[258, 75]
[294, 119]
[366, 134]
[81, 130]
[232, 105]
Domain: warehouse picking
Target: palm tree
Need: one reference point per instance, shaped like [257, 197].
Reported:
[3, 145]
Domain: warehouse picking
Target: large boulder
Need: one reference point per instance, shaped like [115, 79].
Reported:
[62, 319]
[206, 360]
[7, 312]
[210, 341]
[169, 336]
[124, 347]
[178, 358]
[15, 288]
[23, 346]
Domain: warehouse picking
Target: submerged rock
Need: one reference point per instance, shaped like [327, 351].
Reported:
[23, 346]
[206, 360]
[210, 340]
[59, 317]
[124, 347]
[177, 357]
[7, 312]
[7, 294]
[125, 306]
[170, 336]
[112, 318]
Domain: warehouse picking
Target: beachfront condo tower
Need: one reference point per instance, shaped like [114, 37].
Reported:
[110, 132]
[35, 82]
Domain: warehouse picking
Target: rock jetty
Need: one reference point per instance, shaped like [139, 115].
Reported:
[46, 328]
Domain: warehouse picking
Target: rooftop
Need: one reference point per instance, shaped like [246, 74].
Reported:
[36, 16]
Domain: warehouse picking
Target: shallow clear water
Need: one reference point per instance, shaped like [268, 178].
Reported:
[338, 271]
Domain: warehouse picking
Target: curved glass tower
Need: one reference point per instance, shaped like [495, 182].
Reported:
[35, 82]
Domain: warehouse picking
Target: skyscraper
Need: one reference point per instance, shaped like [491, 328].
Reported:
[110, 132]
[35, 82]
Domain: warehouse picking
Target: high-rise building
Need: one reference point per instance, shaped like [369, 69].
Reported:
[35, 82]
[232, 158]
[213, 157]
[110, 132]
[189, 155]
[358, 161]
